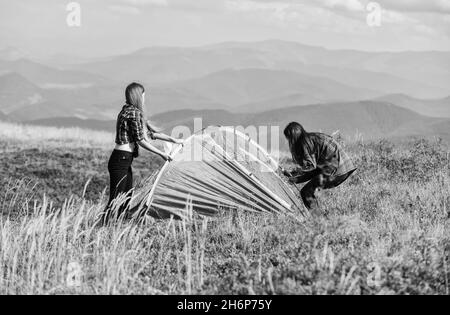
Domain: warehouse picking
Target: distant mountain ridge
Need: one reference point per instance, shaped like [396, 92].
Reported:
[433, 108]
[292, 100]
[3, 117]
[16, 91]
[12, 53]
[369, 119]
[387, 72]
[438, 108]
[239, 87]
[48, 77]
[23, 100]
[234, 76]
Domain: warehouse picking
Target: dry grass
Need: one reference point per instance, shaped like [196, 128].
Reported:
[386, 231]
[54, 137]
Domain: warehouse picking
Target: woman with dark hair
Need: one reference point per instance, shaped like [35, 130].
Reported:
[323, 163]
[132, 131]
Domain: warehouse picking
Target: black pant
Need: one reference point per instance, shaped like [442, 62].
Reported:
[121, 179]
[308, 192]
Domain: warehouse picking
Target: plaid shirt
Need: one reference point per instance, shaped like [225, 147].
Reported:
[129, 126]
[326, 157]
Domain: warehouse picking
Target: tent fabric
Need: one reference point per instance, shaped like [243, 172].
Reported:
[218, 169]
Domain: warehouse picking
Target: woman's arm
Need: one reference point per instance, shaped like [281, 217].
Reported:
[305, 172]
[163, 137]
[146, 145]
[299, 176]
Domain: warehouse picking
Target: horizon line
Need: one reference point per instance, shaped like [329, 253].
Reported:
[218, 43]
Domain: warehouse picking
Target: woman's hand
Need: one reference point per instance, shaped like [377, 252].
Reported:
[286, 172]
[167, 157]
[179, 141]
[163, 137]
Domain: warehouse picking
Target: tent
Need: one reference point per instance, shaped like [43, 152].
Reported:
[218, 169]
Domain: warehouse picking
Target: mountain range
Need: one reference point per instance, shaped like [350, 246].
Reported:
[433, 108]
[419, 74]
[49, 77]
[239, 87]
[371, 119]
[367, 119]
[3, 117]
[247, 83]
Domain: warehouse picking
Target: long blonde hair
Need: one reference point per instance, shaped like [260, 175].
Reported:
[134, 97]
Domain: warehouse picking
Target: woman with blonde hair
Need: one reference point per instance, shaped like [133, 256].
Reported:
[132, 131]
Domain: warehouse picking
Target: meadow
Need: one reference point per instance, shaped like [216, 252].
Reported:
[385, 231]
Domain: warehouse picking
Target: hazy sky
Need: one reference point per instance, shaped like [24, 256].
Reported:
[117, 26]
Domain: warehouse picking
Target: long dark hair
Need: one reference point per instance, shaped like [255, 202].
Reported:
[134, 97]
[299, 141]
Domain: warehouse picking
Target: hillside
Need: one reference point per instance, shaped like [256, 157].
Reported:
[3, 117]
[17, 92]
[238, 87]
[369, 119]
[173, 98]
[24, 100]
[433, 108]
[279, 103]
[374, 79]
[91, 102]
[11, 53]
[104, 102]
[390, 72]
[48, 77]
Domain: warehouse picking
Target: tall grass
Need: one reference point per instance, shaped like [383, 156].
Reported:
[60, 251]
[385, 231]
[54, 251]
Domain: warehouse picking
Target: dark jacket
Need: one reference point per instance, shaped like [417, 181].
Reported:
[325, 156]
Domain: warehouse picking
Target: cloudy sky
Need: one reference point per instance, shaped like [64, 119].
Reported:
[119, 26]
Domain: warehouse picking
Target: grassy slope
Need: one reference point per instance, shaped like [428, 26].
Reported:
[386, 230]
